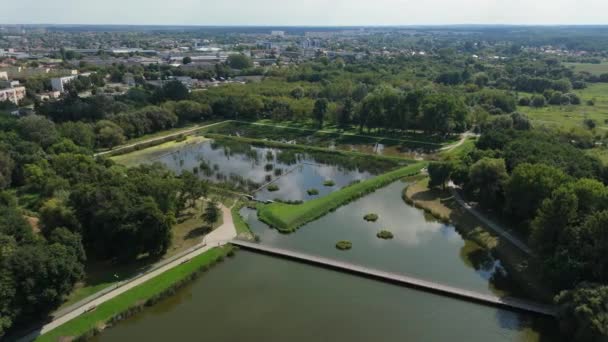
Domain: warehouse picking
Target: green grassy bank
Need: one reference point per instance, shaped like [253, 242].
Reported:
[288, 217]
[136, 299]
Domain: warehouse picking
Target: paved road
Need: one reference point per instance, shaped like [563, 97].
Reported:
[185, 131]
[218, 237]
[487, 299]
[491, 224]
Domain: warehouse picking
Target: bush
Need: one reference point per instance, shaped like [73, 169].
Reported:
[329, 182]
[273, 188]
[344, 245]
[312, 192]
[371, 217]
[385, 234]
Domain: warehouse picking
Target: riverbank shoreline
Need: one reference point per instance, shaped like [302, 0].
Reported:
[127, 304]
[442, 206]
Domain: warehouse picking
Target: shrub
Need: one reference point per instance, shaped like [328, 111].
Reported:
[371, 217]
[312, 192]
[344, 245]
[273, 188]
[385, 234]
[329, 182]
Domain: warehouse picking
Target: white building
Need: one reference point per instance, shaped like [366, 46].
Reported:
[58, 83]
[3, 76]
[13, 95]
[277, 33]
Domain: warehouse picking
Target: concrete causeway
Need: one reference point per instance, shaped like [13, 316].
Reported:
[471, 296]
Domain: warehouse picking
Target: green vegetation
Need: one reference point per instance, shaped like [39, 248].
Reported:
[273, 188]
[592, 68]
[385, 235]
[371, 217]
[312, 192]
[287, 218]
[242, 227]
[137, 298]
[329, 182]
[344, 245]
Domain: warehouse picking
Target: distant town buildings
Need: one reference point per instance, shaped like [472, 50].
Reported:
[277, 33]
[14, 95]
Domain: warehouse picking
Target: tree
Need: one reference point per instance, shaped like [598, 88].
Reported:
[191, 190]
[38, 129]
[6, 170]
[82, 134]
[439, 173]
[346, 113]
[191, 111]
[175, 91]
[109, 134]
[320, 110]
[239, 61]
[443, 113]
[186, 60]
[583, 313]
[211, 213]
[54, 214]
[487, 177]
[528, 186]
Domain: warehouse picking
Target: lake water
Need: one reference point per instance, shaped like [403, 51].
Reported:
[256, 297]
[422, 247]
[294, 172]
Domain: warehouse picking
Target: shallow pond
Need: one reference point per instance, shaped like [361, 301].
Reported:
[259, 169]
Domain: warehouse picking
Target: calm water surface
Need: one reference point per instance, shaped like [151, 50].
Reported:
[255, 297]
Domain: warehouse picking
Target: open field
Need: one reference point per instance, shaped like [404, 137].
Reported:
[135, 298]
[573, 116]
[443, 206]
[288, 217]
[595, 69]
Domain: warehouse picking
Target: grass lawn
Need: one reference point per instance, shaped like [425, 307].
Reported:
[190, 229]
[595, 69]
[573, 116]
[149, 154]
[440, 204]
[133, 297]
[242, 228]
[288, 217]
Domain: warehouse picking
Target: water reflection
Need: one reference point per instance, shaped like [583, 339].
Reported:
[252, 168]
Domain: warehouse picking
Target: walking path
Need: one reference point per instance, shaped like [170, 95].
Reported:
[491, 224]
[487, 299]
[185, 131]
[218, 237]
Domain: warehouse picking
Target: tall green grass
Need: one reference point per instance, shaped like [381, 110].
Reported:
[288, 217]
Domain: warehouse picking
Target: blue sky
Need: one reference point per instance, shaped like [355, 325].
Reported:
[304, 12]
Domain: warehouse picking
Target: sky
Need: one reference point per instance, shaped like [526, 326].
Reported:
[304, 12]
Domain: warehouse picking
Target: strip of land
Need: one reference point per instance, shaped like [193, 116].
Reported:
[288, 217]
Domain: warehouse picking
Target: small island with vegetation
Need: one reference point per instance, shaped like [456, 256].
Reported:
[273, 188]
[385, 235]
[371, 217]
[344, 245]
[312, 192]
[329, 182]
